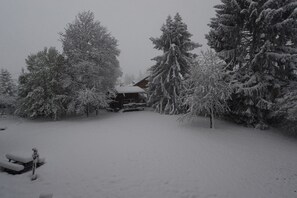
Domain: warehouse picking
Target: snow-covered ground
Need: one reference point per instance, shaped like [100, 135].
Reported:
[148, 155]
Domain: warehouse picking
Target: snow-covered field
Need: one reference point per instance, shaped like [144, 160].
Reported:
[148, 155]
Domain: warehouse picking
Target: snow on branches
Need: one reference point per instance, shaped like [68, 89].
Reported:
[8, 90]
[257, 39]
[205, 90]
[92, 54]
[41, 91]
[172, 67]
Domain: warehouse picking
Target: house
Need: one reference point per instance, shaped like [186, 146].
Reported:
[129, 98]
[143, 83]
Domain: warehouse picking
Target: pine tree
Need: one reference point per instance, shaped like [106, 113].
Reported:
[8, 90]
[206, 92]
[257, 40]
[41, 88]
[92, 56]
[172, 67]
[286, 109]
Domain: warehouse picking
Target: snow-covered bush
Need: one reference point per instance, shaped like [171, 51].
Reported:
[172, 67]
[205, 90]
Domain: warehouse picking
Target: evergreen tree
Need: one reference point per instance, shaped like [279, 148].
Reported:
[7, 90]
[257, 40]
[92, 56]
[172, 67]
[41, 88]
[286, 109]
[205, 91]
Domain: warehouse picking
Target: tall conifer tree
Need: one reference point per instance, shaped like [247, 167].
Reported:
[7, 89]
[172, 67]
[257, 40]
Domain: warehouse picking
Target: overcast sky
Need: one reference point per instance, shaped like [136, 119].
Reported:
[27, 26]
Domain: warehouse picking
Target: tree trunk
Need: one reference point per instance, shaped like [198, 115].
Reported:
[211, 118]
[210, 121]
[87, 110]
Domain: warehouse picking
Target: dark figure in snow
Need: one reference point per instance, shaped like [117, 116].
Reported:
[35, 157]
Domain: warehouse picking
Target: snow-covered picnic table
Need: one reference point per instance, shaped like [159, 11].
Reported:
[19, 163]
[24, 159]
[11, 166]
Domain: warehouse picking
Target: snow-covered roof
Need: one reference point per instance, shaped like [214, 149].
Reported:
[129, 89]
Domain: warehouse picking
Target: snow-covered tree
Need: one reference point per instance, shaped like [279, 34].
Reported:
[257, 39]
[92, 54]
[285, 113]
[172, 67]
[7, 90]
[41, 89]
[89, 100]
[206, 92]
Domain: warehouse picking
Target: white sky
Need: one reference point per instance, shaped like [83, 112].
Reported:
[27, 26]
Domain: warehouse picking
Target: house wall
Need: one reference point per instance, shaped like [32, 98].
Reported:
[122, 99]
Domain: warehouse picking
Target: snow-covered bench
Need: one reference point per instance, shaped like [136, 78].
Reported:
[17, 158]
[17, 164]
[23, 159]
[11, 167]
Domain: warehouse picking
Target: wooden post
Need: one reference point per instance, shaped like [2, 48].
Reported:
[211, 118]
[88, 110]
[210, 121]
[35, 157]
